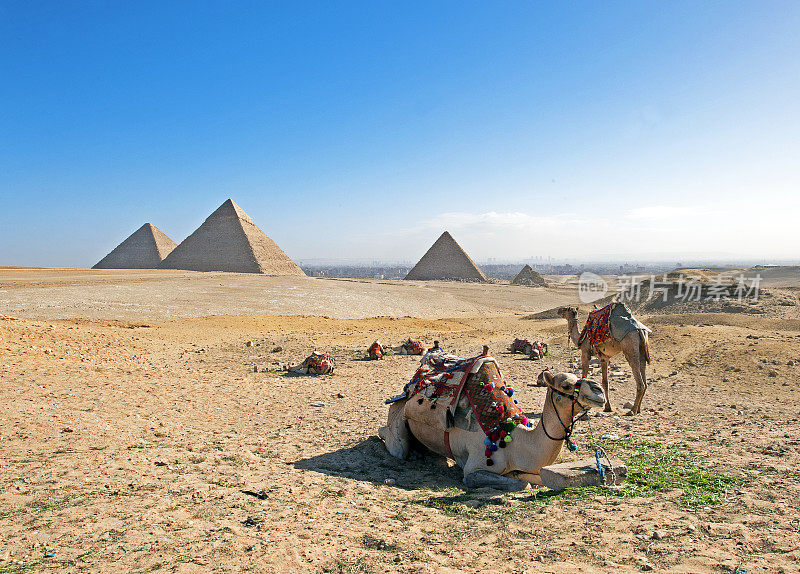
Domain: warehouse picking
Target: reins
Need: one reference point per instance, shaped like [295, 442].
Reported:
[567, 428]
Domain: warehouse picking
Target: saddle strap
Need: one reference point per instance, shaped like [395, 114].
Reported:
[447, 444]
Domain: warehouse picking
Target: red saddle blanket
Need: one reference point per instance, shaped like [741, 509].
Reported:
[319, 361]
[598, 326]
[414, 346]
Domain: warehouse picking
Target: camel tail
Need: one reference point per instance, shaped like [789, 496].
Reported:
[645, 345]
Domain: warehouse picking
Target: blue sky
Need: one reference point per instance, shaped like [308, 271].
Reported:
[363, 129]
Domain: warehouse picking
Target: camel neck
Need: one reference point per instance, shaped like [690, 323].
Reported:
[574, 332]
[542, 450]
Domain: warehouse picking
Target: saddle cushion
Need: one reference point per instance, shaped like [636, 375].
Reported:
[413, 346]
[444, 376]
[615, 319]
[319, 361]
[598, 326]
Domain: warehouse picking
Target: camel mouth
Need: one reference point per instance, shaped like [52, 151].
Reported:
[591, 395]
[589, 402]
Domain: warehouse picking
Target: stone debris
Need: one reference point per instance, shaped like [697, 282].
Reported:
[580, 473]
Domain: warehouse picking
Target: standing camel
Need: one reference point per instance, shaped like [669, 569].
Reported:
[634, 345]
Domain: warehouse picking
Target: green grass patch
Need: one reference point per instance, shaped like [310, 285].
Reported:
[331, 493]
[653, 468]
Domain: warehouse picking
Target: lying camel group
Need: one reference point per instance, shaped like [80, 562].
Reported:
[463, 408]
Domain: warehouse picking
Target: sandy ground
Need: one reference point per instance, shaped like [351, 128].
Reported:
[143, 295]
[129, 433]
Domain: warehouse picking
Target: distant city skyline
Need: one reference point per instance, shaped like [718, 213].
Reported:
[356, 131]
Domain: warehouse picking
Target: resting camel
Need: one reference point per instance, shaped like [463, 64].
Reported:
[410, 347]
[535, 350]
[375, 351]
[635, 346]
[315, 364]
[461, 438]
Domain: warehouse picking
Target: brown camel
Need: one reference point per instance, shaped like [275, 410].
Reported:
[512, 467]
[635, 346]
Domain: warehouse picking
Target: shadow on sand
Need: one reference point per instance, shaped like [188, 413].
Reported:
[369, 461]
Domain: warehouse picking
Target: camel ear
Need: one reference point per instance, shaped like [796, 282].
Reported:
[548, 378]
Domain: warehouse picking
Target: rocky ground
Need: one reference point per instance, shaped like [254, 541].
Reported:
[153, 444]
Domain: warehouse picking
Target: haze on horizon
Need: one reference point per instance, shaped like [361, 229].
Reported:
[359, 130]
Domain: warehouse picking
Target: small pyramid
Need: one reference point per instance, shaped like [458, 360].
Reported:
[529, 277]
[446, 261]
[145, 248]
[229, 241]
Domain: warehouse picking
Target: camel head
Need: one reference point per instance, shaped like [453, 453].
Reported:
[568, 313]
[566, 385]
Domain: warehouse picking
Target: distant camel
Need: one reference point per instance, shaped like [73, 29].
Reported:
[634, 345]
[315, 364]
[375, 351]
[410, 347]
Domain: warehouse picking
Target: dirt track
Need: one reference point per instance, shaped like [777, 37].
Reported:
[127, 441]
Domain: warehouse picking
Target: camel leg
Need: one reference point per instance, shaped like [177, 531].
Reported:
[584, 362]
[395, 434]
[604, 370]
[486, 479]
[632, 353]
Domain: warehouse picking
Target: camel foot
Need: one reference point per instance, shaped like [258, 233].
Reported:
[608, 408]
[484, 479]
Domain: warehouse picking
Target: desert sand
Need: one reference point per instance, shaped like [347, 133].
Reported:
[135, 434]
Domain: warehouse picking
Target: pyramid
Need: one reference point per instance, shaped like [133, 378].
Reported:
[446, 261]
[529, 277]
[229, 241]
[145, 248]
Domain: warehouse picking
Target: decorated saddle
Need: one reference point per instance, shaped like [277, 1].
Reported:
[598, 326]
[525, 346]
[613, 320]
[375, 350]
[320, 362]
[519, 345]
[413, 347]
[444, 377]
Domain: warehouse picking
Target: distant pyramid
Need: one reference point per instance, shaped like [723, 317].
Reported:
[145, 248]
[529, 277]
[445, 260]
[229, 241]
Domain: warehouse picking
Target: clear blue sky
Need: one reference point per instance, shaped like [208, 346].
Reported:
[362, 130]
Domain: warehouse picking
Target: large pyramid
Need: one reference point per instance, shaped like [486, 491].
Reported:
[446, 261]
[229, 241]
[529, 277]
[144, 249]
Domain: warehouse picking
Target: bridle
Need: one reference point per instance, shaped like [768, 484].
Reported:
[573, 396]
